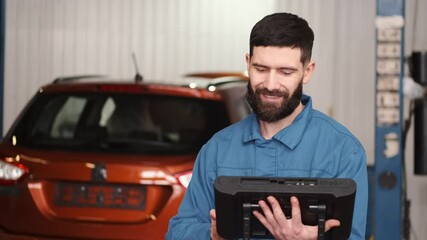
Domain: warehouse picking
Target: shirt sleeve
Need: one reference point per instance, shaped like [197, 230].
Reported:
[354, 166]
[193, 220]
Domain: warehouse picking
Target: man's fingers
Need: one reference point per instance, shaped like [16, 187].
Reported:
[296, 210]
[273, 218]
[265, 216]
[214, 234]
[331, 223]
[213, 214]
[263, 220]
[266, 211]
[277, 209]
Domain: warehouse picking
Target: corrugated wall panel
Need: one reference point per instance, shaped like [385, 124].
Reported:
[2, 46]
[50, 38]
[344, 56]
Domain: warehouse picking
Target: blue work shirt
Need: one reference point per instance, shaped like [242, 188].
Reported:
[314, 145]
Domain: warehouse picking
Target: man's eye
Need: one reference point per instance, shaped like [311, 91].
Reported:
[260, 69]
[287, 72]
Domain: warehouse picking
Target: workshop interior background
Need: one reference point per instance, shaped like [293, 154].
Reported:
[45, 39]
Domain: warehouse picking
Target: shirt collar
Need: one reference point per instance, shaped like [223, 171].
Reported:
[289, 136]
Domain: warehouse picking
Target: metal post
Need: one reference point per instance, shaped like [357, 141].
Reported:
[389, 120]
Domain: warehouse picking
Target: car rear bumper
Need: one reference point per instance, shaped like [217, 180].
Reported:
[27, 223]
[152, 235]
[10, 236]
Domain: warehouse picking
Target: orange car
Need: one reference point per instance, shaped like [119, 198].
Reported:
[92, 159]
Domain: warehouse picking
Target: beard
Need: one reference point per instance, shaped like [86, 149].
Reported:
[271, 112]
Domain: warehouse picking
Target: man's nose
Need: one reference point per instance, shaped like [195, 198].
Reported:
[271, 80]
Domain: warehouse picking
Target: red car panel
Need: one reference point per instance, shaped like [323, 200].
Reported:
[66, 174]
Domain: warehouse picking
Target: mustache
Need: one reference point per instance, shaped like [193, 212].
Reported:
[275, 92]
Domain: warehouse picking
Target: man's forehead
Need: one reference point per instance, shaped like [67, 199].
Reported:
[276, 57]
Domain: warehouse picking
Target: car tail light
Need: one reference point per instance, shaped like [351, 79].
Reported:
[184, 178]
[11, 173]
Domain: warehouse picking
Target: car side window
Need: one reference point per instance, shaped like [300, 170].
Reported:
[66, 120]
[107, 111]
[60, 118]
[130, 118]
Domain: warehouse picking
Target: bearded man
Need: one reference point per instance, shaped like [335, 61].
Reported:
[284, 137]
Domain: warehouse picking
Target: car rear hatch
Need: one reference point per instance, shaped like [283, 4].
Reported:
[87, 191]
[102, 159]
[105, 191]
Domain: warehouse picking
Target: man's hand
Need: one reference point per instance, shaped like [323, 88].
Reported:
[288, 229]
[214, 234]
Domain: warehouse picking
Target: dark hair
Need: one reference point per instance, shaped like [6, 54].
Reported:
[283, 30]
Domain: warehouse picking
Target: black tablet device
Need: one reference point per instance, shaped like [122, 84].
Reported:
[320, 199]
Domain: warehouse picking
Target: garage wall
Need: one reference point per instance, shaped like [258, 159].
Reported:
[50, 38]
[343, 84]
[2, 46]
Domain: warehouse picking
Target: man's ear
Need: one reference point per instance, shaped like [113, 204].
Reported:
[248, 62]
[308, 71]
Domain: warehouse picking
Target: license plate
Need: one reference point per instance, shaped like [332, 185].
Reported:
[100, 195]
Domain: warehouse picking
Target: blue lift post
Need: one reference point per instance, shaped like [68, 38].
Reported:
[389, 120]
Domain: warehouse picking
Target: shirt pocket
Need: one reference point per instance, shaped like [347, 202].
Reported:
[224, 171]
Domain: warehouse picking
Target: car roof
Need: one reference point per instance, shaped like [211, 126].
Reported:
[191, 86]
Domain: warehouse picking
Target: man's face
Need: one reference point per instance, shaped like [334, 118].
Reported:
[272, 112]
[276, 78]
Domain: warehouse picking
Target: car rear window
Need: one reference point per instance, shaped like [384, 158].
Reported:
[122, 123]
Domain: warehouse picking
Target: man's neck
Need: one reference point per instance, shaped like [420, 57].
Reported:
[269, 129]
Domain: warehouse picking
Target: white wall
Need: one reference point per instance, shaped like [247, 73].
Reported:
[50, 38]
[343, 83]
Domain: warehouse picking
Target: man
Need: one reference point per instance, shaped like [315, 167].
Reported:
[285, 137]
